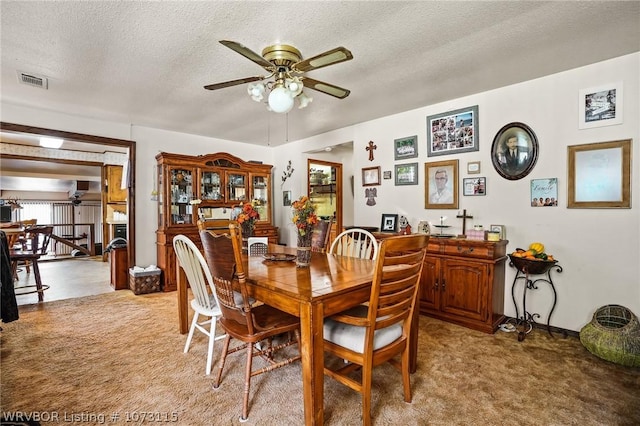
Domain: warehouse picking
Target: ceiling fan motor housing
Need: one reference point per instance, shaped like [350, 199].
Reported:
[282, 55]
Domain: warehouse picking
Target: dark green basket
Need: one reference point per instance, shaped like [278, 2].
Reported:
[613, 335]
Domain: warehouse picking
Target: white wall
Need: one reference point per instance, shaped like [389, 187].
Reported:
[598, 249]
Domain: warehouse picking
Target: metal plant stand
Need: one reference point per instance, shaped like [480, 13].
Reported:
[525, 270]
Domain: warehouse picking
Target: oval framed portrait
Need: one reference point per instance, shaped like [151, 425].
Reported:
[514, 151]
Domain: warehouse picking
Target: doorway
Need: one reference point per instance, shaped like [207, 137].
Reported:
[325, 191]
[91, 143]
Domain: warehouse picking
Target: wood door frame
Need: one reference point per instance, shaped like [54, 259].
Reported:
[96, 140]
[338, 167]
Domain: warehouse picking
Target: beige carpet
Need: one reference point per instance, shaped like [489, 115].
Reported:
[118, 354]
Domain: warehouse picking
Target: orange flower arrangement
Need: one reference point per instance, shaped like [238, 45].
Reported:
[247, 218]
[304, 216]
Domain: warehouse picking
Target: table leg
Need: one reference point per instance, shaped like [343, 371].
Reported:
[183, 306]
[312, 352]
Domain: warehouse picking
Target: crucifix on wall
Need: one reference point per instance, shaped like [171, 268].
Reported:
[370, 148]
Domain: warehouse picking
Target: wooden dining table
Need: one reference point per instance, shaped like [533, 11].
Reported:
[329, 285]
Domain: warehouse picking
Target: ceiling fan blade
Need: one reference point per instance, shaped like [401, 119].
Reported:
[248, 53]
[334, 56]
[327, 88]
[233, 83]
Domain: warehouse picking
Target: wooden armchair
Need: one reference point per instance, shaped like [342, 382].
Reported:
[245, 323]
[369, 335]
[39, 237]
[321, 235]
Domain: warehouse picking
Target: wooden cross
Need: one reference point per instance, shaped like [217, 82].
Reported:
[370, 148]
[464, 218]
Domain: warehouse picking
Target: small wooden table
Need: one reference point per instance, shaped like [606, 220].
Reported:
[330, 285]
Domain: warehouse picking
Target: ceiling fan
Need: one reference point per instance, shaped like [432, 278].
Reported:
[287, 68]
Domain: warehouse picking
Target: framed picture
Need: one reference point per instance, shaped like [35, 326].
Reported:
[453, 132]
[286, 198]
[544, 192]
[406, 147]
[389, 223]
[407, 174]
[600, 106]
[514, 151]
[473, 167]
[441, 185]
[600, 175]
[501, 229]
[386, 174]
[371, 176]
[474, 186]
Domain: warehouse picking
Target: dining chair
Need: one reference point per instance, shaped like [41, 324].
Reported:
[39, 237]
[355, 242]
[204, 301]
[321, 235]
[369, 335]
[24, 239]
[250, 324]
[257, 246]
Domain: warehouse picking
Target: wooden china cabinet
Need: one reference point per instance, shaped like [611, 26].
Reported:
[207, 187]
[463, 282]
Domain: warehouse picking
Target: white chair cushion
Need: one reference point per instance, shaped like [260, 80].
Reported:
[352, 337]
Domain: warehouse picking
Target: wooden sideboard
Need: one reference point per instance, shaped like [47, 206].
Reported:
[463, 282]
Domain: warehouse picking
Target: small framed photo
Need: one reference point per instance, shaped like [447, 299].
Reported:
[406, 147]
[453, 132]
[544, 192]
[600, 106]
[500, 229]
[389, 223]
[441, 184]
[407, 174]
[473, 167]
[474, 186]
[514, 151]
[386, 174]
[371, 176]
[286, 198]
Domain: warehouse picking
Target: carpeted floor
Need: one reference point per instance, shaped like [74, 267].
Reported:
[116, 357]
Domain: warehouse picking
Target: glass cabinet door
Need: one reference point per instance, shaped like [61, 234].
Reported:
[260, 196]
[181, 194]
[211, 188]
[237, 182]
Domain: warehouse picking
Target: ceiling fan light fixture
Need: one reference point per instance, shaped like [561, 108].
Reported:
[54, 143]
[256, 91]
[280, 99]
[294, 85]
[304, 100]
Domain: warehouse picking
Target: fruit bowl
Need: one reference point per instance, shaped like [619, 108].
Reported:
[532, 266]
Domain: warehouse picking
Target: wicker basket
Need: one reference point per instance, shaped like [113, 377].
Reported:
[532, 266]
[613, 335]
[144, 282]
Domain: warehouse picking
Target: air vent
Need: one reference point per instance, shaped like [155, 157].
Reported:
[33, 80]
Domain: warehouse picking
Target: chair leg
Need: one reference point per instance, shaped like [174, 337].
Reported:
[36, 274]
[366, 395]
[212, 339]
[247, 384]
[191, 330]
[406, 379]
[223, 358]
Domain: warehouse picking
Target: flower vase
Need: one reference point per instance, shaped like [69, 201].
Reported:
[303, 252]
[247, 229]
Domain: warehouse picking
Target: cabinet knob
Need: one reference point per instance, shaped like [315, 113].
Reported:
[460, 249]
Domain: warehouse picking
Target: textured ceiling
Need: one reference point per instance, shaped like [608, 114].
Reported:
[146, 63]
